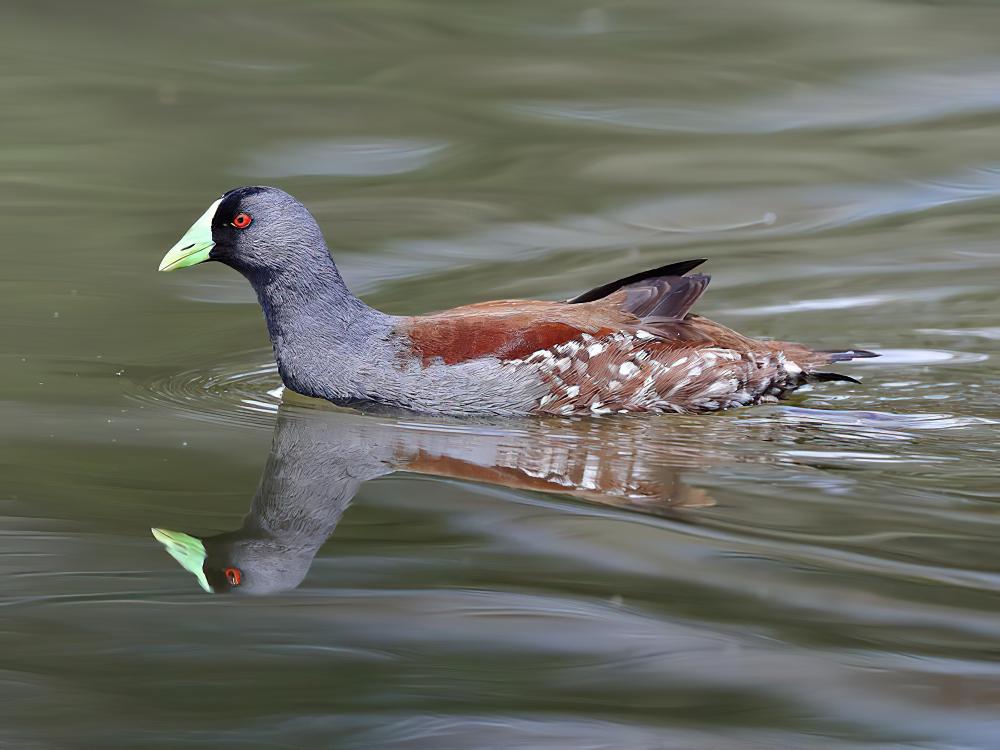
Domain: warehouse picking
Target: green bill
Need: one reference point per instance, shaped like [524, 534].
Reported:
[194, 246]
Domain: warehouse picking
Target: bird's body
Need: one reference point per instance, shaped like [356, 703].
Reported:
[628, 346]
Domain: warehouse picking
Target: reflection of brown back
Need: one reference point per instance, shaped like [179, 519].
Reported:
[636, 464]
[648, 496]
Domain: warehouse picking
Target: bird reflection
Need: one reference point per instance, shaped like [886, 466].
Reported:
[320, 458]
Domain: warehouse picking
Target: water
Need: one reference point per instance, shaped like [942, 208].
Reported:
[822, 573]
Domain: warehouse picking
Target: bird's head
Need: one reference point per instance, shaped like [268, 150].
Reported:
[256, 230]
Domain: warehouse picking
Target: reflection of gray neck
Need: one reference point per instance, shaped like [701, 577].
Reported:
[313, 471]
[316, 464]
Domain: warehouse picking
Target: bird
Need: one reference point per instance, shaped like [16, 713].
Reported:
[628, 346]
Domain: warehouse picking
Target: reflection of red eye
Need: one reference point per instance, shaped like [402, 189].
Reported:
[234, 576]
[242, 220]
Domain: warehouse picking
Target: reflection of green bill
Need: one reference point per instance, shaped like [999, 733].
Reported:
[187, 550]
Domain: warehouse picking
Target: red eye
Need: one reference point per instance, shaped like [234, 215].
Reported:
[242, 220]
[233, 575]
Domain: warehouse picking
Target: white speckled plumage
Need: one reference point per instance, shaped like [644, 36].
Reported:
[613, 375]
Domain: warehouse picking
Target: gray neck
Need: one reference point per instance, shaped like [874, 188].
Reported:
[329, 344]
[321, 333]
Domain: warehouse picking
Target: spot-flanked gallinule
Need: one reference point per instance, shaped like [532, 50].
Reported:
[627, 346]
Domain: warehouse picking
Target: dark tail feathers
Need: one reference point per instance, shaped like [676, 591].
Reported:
[835, 355]
[827, 377]
[846, 355]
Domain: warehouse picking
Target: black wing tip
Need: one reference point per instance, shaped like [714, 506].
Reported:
[671, 269]
[679, 268]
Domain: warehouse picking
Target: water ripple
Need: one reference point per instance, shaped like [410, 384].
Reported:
[344, 157]
[233, 392]
[735, 215]
[877, 100]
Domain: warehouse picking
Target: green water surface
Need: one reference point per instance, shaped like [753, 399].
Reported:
[822, 573]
